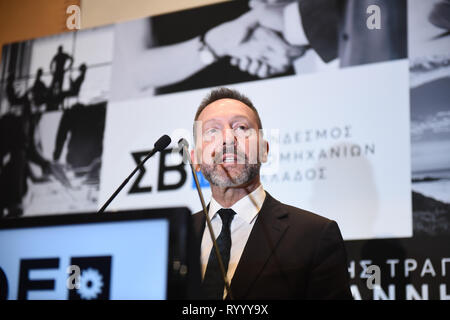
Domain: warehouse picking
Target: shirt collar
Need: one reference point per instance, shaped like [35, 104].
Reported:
[246, 208]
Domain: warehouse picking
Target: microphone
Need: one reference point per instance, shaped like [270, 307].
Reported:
[159, 145]
[184, 145]
[162, 143]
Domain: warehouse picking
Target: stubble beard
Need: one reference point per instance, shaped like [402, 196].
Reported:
[223, 177]
[219, 176]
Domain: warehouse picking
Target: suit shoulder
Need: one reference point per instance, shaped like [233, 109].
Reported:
[196, 214]
[304, 217]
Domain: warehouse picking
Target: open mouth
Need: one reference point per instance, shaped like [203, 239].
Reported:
[229, 158]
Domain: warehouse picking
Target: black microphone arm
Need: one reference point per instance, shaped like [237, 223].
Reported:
[183, 144]
[159, 145]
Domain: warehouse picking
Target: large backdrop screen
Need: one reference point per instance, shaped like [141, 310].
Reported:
[353, 98]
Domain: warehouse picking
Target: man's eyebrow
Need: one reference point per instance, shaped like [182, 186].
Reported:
[241, 118]
[209, 121]
[234, 118]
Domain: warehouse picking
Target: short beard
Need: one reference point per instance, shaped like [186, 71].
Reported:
[210, 172]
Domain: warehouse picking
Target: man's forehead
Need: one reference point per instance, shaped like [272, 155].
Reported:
[226, 108]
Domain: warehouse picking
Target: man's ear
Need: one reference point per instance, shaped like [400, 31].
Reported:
[194, 160]
[265, 151]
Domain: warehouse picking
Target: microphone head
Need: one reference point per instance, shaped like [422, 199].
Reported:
[182, 143]
[162, 143]
[184, 148]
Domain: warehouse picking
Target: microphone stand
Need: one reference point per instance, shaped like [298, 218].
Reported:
[183, 144]
[111, 198]
[160, 145]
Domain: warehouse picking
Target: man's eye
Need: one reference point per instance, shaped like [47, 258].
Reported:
[208, 134]
[241, 130]
[210, 131]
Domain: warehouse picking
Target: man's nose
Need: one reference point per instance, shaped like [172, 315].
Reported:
[228, 136]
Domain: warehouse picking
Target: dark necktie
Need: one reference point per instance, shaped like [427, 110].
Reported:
[213, 284]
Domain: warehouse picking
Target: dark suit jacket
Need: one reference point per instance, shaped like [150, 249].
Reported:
[290, 254]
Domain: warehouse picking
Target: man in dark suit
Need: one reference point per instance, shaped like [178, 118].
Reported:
[269, 250]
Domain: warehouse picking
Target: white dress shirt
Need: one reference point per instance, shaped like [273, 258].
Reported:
[293, 30]
[247, 210]
[294, 33]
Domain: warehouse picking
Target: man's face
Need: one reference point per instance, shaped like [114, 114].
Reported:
[228, 143]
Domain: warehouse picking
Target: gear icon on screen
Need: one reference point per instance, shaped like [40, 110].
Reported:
[91, 284]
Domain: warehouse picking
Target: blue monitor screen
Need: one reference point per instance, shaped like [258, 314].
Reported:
[97, 260]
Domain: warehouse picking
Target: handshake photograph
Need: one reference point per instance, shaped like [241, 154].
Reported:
[228, 156]
[240, 41]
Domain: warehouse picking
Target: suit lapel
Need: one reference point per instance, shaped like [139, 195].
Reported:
[264, 237]
[199, 221]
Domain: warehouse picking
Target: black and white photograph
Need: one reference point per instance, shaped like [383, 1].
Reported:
[54, 93]
[430, 144]
[428, 28]
[240, 41]
[429, 51]
[344, 105]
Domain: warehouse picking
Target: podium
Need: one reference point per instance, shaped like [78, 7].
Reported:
[138, 254]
